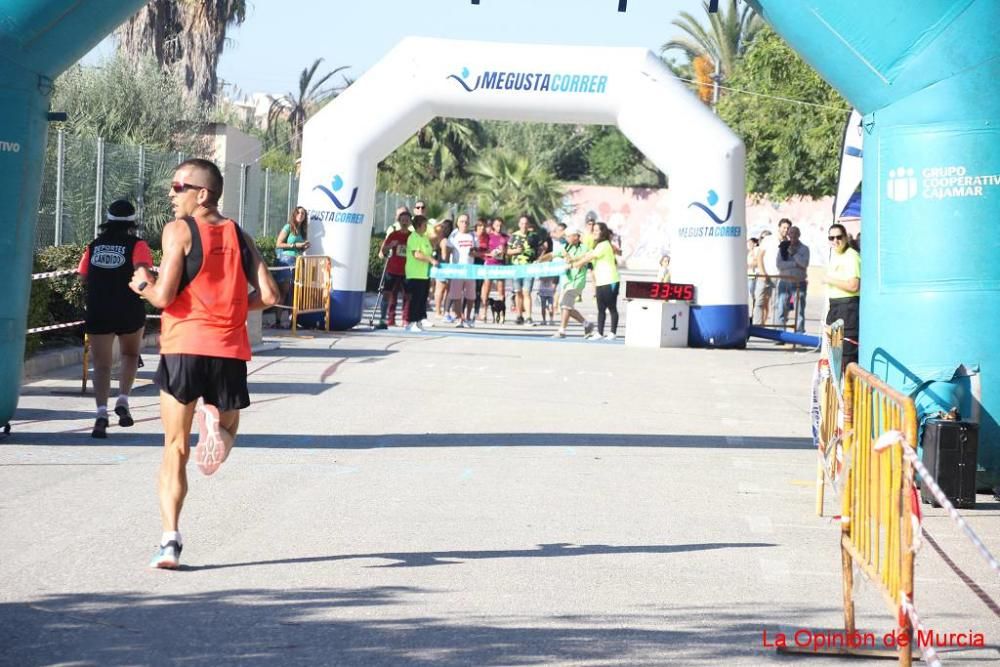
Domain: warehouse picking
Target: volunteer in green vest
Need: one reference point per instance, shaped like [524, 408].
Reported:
[419, 260]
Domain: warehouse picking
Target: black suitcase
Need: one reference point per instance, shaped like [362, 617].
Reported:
[950, 449]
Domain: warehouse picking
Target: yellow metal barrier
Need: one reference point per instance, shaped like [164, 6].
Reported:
[312, 288]
[877, 532]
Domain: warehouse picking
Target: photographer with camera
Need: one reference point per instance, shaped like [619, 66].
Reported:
[793, 263]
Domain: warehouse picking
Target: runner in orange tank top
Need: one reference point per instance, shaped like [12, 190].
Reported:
[208, 268]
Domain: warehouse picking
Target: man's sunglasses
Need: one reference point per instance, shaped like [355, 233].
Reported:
[835, 238]
[418, 206]
[181, 187]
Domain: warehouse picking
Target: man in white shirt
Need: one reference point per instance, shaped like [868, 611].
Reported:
[462, 249]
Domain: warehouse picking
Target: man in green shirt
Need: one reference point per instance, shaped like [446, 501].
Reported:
[521, 250]
[571, 282]
[419, 260]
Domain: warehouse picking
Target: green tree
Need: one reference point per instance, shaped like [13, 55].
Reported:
[296, 108]
[186, 37]
[123, 102]
[451, 144]
[613, 160]
[510, 185]
[723, 40]
[561, 149]
[792, 149]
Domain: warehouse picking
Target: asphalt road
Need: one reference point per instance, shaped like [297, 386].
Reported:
[453, 498]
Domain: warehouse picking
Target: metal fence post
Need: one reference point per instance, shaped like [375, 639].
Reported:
[60, 174]
[386, 221]
[99, 189]
[243, 191]
[267, 196]
[288, 206]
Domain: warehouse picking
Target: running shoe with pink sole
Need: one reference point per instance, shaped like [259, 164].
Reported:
[211, 449]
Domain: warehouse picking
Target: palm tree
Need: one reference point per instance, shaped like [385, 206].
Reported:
[451, 143]
[295, 108]
[724, 40]
[510, 185]
[186, 36]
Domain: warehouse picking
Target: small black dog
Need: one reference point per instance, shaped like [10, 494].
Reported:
[499, 310]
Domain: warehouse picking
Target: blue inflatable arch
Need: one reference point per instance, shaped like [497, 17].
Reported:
[923, 73]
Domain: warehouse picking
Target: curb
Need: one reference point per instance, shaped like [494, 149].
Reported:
[40, 364]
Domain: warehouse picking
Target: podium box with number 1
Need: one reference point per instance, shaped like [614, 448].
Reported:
[657, 314]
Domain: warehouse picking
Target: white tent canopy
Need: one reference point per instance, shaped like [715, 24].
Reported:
[631, 88]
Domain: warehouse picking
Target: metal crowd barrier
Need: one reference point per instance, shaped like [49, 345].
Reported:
[312, 285]
[879, 499]
[793, 315]
[829, 415]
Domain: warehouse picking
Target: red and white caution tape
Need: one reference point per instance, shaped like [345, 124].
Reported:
[926, 649]
[890, 438]
[53, 327]
[53, 274]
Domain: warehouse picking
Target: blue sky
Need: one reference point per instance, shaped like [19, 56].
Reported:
[281, 37]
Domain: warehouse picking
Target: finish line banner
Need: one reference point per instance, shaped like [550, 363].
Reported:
[498, 272]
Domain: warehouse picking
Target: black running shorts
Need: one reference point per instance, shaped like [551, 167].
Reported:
[105, 328]
[219, 381]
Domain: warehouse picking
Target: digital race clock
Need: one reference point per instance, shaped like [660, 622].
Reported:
[660, 291]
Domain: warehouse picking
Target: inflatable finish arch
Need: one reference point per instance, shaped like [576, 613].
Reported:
[424, 78]
[925, 75]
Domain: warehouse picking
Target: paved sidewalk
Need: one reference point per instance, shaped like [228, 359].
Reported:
[452, 498]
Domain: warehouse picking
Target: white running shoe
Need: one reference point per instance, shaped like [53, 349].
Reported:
[414, 328]
[210, 452]
[594, 336]
[611, 336]
[559, 334]
[471, 323]
[459, 324]
[427, 324]
[167, 556]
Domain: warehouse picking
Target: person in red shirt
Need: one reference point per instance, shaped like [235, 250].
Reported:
[113, 311]
[394, 251]
[209, 263]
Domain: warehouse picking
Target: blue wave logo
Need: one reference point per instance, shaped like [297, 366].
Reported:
[713, 199]
[335, 185]
[461, 80]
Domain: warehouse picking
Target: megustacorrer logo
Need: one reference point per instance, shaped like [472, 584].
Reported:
[901, 184]
[541, 82]
[335, 185]
[713, 199]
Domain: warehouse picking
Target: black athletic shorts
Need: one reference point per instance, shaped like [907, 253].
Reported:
[219, 381]
[103, 328]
